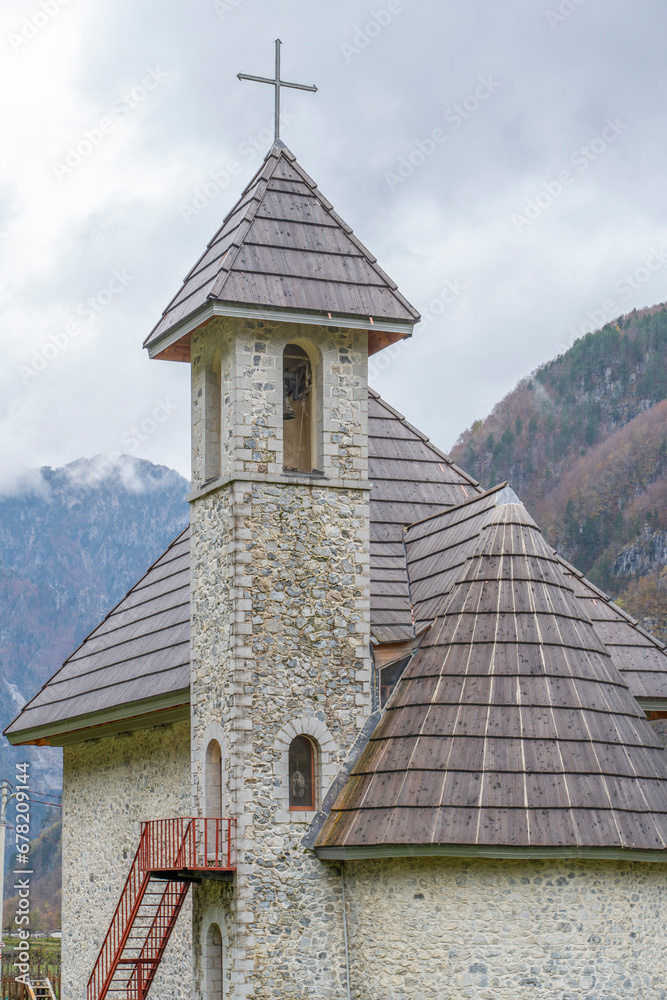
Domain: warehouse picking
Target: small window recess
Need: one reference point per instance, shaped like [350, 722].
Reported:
[299, 412]
[214, 967]
[213, 421]
[213, 780]
[302, 775]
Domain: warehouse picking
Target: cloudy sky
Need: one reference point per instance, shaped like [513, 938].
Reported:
[503, 159]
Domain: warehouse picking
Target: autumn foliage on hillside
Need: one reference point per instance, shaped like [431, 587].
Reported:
[584, 443]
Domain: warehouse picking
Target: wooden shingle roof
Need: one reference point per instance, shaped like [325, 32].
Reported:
[108, 671]
[137, 661]
[282, 247]
[411, 479]
[511, 727]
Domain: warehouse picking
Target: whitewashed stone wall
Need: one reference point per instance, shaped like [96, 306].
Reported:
[109, 786]
[280, 632]
[429, 929]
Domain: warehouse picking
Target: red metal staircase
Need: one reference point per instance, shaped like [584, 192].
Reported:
[172, 853]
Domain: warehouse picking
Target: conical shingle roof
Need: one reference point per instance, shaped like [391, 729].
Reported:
[282, 247]
[511, 728]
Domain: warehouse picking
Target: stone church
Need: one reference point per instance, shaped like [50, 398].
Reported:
[359, 731]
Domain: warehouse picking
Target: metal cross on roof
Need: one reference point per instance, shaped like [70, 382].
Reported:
[277, 83]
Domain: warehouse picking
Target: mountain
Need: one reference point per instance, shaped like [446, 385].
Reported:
[72, 542]
[583, 441]
[45, 884]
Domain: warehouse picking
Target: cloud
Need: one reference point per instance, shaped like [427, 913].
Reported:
[451, 220]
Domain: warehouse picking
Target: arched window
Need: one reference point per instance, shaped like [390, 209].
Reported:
[214, 963]
[213, 780]
[302, 777]
[212, 420]
[298, 410]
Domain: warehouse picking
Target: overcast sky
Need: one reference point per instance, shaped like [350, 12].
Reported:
[503, 159]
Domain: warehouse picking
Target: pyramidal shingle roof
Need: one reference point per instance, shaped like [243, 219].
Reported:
[282, 247]
[437, 547]
[511, 727]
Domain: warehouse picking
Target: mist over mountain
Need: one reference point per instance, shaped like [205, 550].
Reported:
[583, 441]
[72, 542]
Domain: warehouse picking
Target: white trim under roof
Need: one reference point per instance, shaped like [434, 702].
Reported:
[213, 309]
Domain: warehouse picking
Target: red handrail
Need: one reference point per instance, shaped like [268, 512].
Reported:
[119, 928]
[194, 843]
[166, 847]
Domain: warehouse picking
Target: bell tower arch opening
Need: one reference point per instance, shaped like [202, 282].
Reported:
[301, 407]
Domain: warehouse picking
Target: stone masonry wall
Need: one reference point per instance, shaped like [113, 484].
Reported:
[296, 647]
[109, 786]
[430, 928]
[280, 644]
[250, 354]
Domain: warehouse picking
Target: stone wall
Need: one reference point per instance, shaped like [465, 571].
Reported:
[430, 928]
[280, 644]
[109, 786]
[250, 356]
[288, 645]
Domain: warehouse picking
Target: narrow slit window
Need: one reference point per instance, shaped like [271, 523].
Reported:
[298, 410]
[212, 421]
[301, 774]
[213, 779]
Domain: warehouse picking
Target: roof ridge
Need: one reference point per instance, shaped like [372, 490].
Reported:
[607, 598]
[254, 181]
[370, 258]
[420, 434]
[248, 219]
[457, 506]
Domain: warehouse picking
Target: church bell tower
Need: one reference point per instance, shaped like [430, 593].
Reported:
[277, 320]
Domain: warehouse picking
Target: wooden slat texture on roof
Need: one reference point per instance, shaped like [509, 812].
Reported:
[511, 726]
[282, 246]
[141, 650]
[411, 480]
[438, 547]
[641, 658]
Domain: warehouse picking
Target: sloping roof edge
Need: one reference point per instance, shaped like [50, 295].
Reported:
[465, 851]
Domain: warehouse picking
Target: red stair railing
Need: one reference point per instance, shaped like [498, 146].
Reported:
[193, 844]
[169, 850]
[120, 926]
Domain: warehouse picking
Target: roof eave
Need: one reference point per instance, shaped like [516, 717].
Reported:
[483, 851]
[213, 309]
[121, 718]
[650, 704]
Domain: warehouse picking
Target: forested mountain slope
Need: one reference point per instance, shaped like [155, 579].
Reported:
[72, 542]
[583, 441]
